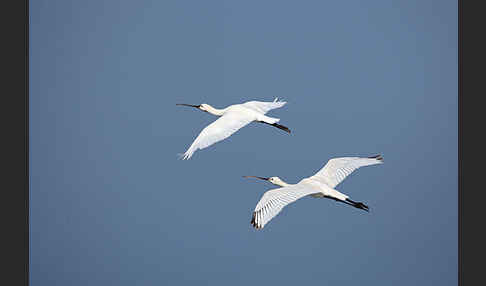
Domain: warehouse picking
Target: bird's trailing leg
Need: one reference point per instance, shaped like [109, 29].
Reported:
[284, 128]
[358, 205]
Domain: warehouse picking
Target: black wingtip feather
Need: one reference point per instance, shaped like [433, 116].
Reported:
[253, 221]
[377, 157]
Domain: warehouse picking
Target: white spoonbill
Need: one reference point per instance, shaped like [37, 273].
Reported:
[321, 185]
[232, 118]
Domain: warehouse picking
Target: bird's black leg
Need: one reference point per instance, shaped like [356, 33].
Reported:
[284, 128]
[358, 205]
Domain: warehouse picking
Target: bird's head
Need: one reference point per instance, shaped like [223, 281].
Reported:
[205, 107]
[274, 180]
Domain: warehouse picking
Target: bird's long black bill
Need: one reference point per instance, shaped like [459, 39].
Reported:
[190, 105]
[261, 178]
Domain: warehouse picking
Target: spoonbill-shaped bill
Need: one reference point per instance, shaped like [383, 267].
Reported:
[232, 118]
[320, 185]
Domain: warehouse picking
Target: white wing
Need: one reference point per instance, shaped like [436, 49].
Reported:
[219, 130]
[264, 107]
[337, 169]
[275, 200]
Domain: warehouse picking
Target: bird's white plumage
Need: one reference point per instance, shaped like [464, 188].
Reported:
[232, 119]
[321, 184]
[219, 130]
[337, 169]
[273, 201]
[264, 107]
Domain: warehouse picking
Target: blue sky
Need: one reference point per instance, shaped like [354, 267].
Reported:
[110, 203]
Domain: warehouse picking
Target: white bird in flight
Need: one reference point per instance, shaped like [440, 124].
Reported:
[321, 185]
[232, 118]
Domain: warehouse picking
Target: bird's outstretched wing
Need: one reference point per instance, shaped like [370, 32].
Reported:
[264, 107]
[337, 169]
[273, 201]
[219, 130]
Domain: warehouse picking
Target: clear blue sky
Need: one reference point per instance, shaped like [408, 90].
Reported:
[110, 203]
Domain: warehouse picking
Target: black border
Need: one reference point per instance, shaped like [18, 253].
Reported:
[14, 209]
[14, 102]
[26, 141]
[471, 145]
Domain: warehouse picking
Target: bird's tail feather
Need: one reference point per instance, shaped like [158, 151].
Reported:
[279, 100]
[187, 155]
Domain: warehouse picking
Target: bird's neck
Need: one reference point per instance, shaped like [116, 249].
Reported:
[215, 111]
[282, 184]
